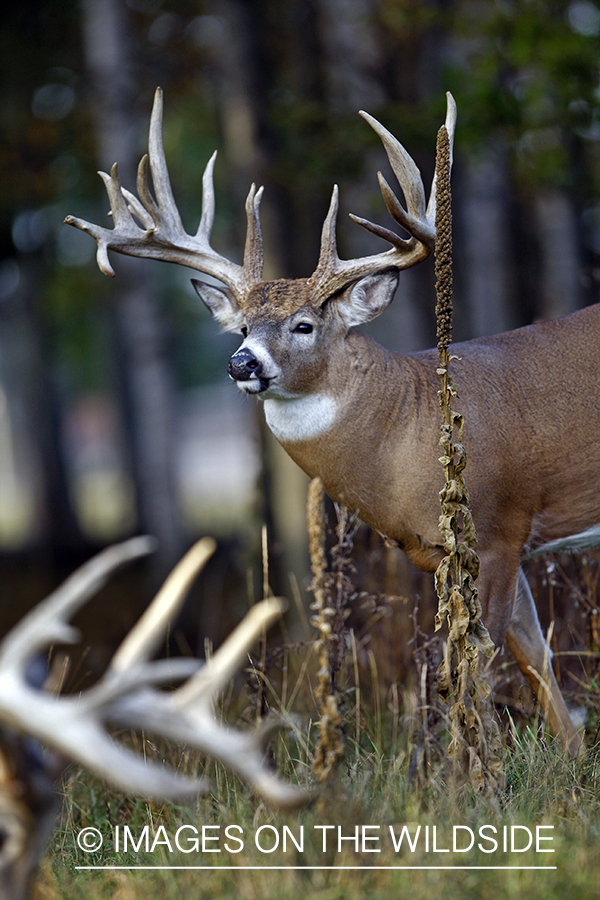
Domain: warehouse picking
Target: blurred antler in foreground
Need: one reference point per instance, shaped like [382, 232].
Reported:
[128, 694]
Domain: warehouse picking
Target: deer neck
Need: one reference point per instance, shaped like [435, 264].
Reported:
[302, 419]
[370, 400]
[305, 419]
[363, 382]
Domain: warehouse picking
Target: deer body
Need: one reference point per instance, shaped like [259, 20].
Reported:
[367, 420]
[373, 433]
[381, 407]
[532, 475]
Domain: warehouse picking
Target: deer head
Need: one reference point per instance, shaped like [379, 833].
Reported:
[278, 319]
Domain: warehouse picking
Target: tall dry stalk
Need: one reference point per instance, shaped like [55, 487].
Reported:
[328, 646]
[475, 747]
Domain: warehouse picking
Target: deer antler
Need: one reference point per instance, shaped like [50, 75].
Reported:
[333, 273]
[75, 726]
[160, 234]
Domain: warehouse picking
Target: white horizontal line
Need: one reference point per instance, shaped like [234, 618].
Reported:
[284, 868]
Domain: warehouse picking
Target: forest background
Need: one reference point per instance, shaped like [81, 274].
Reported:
[116, 415]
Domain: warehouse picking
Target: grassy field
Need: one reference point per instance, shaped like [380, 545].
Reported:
[359, 837]
[392, 822]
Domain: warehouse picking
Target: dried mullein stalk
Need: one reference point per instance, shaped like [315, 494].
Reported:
[475, 747]
[330, 746]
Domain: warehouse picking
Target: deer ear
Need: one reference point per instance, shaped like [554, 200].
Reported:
[368, 297]
[221, 304]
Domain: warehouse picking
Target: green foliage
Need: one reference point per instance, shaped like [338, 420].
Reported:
[527, 74]
[524, 75]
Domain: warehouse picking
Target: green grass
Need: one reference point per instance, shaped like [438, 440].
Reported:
[394, 774]
[373, 787]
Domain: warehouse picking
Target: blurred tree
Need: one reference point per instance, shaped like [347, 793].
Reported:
[526, 76]
[275, 85]
[37, 97]
[147, 381]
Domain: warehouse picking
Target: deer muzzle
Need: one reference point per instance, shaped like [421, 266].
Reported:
[243, 366]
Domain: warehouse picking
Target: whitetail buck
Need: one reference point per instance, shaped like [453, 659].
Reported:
[367, 420]
[75, 727]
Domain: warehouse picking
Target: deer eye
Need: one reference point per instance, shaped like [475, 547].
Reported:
[244, 330]
[303, 328]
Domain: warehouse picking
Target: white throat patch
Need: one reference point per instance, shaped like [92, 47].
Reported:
[300, 418]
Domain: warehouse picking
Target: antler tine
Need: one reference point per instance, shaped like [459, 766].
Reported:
[253, 251]
[145, 636]
[186, 715]
[202, 688]
[158, 166]
[161, 235]
[405, 170]
[242, 752]
[47, 622]
[208, 201]
[332, 273]
[450, 125]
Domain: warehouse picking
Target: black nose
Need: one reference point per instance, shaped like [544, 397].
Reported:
[242, 365]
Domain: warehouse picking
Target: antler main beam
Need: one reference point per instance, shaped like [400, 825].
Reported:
[160, 233]
[75, 726]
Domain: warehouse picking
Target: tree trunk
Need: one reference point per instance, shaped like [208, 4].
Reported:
[560, 286]
[484, 248]
[145, 372]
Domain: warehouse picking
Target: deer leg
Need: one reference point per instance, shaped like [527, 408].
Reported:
[531, 651]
